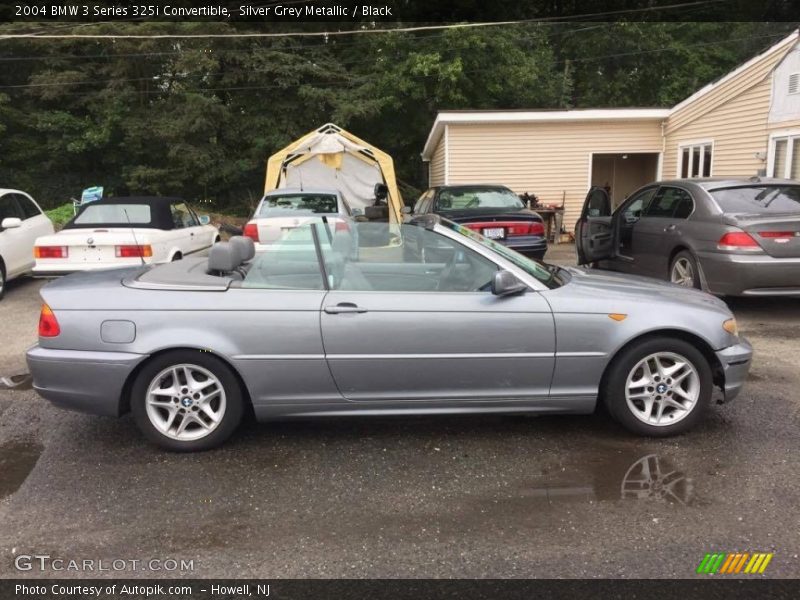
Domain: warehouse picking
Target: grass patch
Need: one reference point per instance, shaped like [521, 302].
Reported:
[61, 214]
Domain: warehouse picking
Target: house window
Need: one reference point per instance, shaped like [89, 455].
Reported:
[794, 83]
[785, 156]
[695, 160]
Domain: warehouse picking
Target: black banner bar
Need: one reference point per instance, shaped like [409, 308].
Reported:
[401, 589]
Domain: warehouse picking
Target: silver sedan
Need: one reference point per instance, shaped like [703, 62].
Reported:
[335, 319]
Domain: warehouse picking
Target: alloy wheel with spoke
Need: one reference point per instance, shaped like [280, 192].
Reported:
[185, 402]
[662, 388]
[683, 272]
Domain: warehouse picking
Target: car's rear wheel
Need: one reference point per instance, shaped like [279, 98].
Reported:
[684, 270]
[2, 279]
[186, 401]
[658, 387]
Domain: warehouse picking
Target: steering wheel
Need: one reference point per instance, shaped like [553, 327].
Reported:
[447, 271]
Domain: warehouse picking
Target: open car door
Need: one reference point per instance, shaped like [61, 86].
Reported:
[594, 231]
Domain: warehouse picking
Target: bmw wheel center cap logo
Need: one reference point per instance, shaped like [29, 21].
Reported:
[661, 388]
[187, 402]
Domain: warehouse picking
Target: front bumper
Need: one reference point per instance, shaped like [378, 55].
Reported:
[735, 362]
[90, 382]
[750, 275]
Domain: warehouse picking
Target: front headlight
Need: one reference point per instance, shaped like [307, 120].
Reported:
[731, 327]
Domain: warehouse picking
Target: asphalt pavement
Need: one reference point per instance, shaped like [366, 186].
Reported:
[408, 497]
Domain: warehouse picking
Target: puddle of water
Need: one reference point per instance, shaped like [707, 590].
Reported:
[22, 381]
[17, 459]
[614, 476]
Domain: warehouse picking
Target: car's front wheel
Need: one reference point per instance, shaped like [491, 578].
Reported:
[186, 401]
[658, 387]
[2, 279]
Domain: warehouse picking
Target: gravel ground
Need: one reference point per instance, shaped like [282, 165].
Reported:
[411, 497]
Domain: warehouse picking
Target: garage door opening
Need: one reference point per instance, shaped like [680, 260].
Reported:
[624, 172]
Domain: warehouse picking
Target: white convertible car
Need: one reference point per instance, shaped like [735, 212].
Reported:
[21, 222]
[121, 232]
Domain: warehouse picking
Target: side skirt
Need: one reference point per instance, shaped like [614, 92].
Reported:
[554, 405]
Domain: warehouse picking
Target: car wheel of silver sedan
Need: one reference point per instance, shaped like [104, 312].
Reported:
[684, 270]
[2, 280]
[658, 386]
[186, 401]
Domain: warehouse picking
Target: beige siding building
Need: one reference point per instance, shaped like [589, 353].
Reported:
[746, 123]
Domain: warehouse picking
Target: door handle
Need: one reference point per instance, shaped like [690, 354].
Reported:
[344, 307]
[670, 228]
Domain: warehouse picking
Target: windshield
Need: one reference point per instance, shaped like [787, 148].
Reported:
[97, 214]
[759, 199]
[549, 275]
[466, 198]
[297, 205]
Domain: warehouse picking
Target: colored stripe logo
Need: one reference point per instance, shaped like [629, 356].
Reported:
[725, 563]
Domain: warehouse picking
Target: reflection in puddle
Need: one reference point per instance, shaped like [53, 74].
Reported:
[23, 381]
[649, 478]
[17, 459]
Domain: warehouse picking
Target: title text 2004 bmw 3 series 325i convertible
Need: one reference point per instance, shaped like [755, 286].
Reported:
[335, 319]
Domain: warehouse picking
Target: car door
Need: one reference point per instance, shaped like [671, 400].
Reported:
[187, 227]
[203, 234]
[594, 234]
[399, 330]
[626, 222]
[16, 247]
[35, 223]
[655, 233]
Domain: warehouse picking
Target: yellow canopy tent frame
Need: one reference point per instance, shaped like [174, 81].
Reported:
[331, 157]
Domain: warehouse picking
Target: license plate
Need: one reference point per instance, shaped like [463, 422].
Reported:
[494, 233]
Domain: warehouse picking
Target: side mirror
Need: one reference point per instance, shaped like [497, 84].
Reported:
[406, 210]
[11, 223]
[381, 191]
[356, 212]
[204, 219]
[505, 283]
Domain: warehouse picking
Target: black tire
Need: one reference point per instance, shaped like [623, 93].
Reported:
[2, 279]
[234, 400]
[688, 261]
[615, 381]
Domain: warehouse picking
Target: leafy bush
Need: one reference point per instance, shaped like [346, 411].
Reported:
[61, 214]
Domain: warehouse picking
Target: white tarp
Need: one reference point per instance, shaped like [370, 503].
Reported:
[354, 178]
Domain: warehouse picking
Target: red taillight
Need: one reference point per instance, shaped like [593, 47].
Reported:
[144, 251]
[50, 251]
[251, 231]
[532, 228]
[735, 240]
[48, 325]
[474, 226]
[777, 235]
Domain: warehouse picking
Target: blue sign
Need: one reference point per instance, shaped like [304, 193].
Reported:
[91, 194]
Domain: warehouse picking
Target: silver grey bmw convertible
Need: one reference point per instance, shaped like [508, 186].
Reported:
[336, 319]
